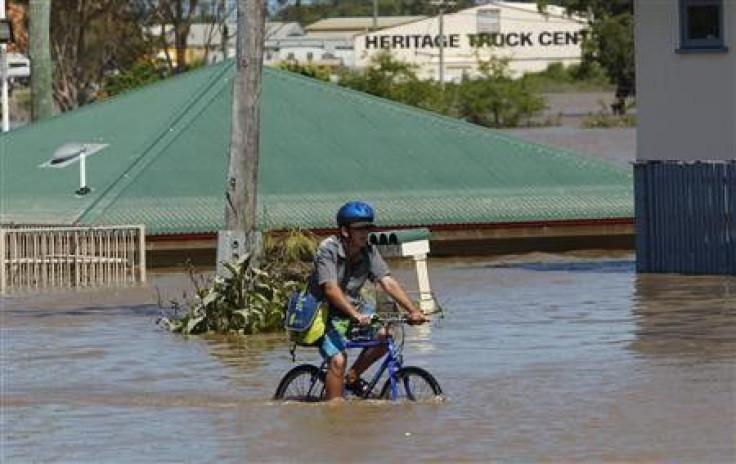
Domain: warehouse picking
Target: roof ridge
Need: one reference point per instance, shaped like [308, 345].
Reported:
[432, 116]
[141, 161]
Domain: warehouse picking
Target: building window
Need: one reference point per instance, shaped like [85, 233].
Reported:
[310, 56]
[701, 25]
[489, 20]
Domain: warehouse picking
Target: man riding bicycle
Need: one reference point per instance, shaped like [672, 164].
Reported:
[343, 264]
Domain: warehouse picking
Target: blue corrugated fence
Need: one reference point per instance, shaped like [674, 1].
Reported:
[685, 217]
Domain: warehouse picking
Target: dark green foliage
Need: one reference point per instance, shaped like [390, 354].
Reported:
[304, 14]
[140, 74]
[252, 299]
[612, 42]
[90, 39]
[574, 78]
[493, 99]
[310, 70]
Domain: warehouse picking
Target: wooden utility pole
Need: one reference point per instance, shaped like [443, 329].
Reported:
[442, 5]
[375, 15]
[222, 16]
[242, 179]
[39, 15]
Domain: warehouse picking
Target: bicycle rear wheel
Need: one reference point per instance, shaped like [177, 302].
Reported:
[413, 384]
[305, 383]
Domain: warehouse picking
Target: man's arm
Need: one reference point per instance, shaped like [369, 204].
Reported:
[337, 299]
[397, 292]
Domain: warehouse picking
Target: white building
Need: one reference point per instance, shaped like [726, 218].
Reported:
[517, 31]
[328, 41]
[204, 41]
[686, 155]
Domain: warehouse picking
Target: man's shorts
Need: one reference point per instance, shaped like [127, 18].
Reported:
[336, 336]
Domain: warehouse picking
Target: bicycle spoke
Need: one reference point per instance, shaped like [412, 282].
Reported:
[303, 383]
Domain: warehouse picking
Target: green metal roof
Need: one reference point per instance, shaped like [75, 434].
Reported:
[321, 145]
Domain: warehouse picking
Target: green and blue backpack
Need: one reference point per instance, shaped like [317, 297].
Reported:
[306, 318]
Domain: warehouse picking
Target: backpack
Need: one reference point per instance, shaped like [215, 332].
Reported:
[306, 319]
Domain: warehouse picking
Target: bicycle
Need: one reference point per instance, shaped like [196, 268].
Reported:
[306, 382]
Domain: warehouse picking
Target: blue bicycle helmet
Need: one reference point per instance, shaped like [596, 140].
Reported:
[354, 211]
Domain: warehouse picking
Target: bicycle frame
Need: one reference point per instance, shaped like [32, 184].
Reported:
[392, 362]
[401, 379]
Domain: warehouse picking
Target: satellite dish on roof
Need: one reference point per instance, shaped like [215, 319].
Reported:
[71, 152]
[75, 152]
[66, 152]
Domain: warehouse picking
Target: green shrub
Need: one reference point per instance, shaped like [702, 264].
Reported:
[142, 73]
[252, 299]
[314, 71]
[605, 119]
[574, 78]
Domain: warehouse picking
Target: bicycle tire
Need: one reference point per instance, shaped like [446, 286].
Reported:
[304, 382]
[413, 384]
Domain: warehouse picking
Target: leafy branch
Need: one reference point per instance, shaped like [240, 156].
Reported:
[251, 299]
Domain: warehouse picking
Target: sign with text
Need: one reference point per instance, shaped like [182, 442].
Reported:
[509, 39]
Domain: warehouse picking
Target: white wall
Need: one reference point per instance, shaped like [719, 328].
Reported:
[685, 102]
[299, 49]
[532, 34]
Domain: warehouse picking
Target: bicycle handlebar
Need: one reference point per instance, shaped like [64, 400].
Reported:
[391, 319]
[386, 320]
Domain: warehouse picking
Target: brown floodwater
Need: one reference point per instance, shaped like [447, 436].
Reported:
[543, 358]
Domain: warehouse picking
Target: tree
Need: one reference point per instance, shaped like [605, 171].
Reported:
[168, 24]
[90, 39]
[611, 43]
[140, 74]
[495, 99]
[492, 99]
[173, 19]
[41, 101]
[321, 73]
[381, 77]
[297, 10]
[18, 15]
[217, 15]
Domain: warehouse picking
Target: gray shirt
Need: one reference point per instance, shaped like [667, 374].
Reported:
[331, 265]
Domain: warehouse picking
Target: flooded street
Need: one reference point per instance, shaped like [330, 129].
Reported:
[543, 358]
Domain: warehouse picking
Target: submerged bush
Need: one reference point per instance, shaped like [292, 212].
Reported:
[605, 119]
[252, 299]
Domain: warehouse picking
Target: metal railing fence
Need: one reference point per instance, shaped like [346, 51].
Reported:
[38, 258]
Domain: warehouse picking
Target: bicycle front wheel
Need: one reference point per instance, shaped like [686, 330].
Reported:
[413, 384]
[303, 383]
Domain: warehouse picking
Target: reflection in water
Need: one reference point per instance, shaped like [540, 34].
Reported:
[685, 316]
[598, 267]
[544, 358]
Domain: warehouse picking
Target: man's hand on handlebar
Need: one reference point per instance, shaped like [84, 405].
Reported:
[416, 318]
[363, 320]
